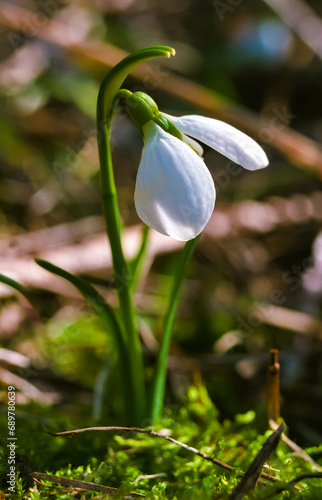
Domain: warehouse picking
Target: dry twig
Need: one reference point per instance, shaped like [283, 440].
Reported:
[250, 478]
[273, 396]
[83, 485]
[296, 448]
[215, 461]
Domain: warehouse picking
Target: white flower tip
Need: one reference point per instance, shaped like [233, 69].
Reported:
[227, 140]
[265, 163]
[255, 158]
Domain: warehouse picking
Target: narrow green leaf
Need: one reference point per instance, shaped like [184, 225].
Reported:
[108, 318]
[136, 264]
[92, 296]
[17, 286]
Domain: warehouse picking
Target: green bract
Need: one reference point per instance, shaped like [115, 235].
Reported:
[141, 108]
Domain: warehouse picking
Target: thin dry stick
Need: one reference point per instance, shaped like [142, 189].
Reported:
[250, 478]
[167, 438]
[315, 475]
[273, 396]
[296, 448]
[75, 483]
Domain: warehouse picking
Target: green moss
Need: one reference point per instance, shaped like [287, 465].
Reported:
[165, 471]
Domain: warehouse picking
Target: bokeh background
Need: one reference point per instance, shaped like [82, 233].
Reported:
[255, 280]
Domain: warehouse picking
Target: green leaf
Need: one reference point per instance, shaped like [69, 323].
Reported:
[108, 318]
[17, 286]
[135, 266]
[93, 297]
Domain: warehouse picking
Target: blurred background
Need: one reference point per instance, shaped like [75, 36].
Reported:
[255, 280]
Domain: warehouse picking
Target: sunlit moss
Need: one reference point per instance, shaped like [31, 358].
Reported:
[167, 472]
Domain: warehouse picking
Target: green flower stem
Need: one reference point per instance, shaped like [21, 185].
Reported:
[159, 380]
[107, 100]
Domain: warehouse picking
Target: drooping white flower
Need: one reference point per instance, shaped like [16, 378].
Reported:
[175, 192]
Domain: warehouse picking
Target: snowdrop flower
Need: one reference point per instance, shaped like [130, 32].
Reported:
[175, 192]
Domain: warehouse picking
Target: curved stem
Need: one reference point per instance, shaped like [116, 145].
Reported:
[159, 380]
[107, 100]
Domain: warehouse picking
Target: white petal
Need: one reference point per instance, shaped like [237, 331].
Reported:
[174, 192]
[224, 138]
